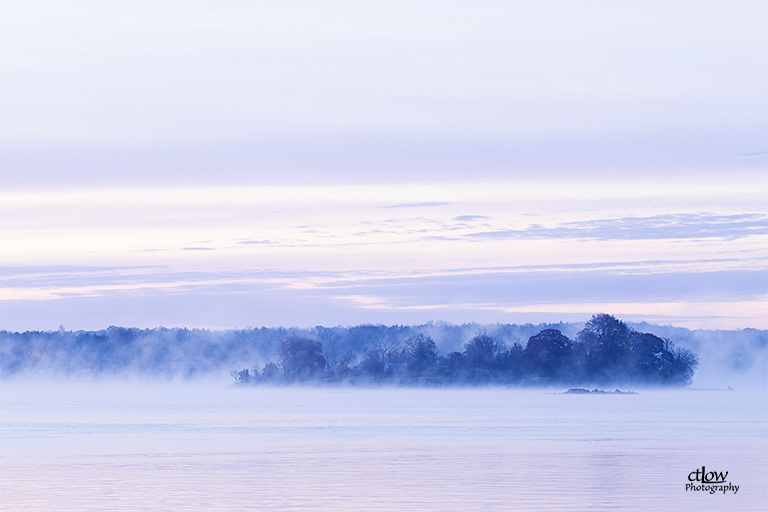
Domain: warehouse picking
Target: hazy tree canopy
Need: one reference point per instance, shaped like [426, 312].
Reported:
[301, 358]
[374, 363]
[483, 351]
[241, 377]
[548, 352]
[605, 330]
[651, 355]
[421, 353]
[684, 364]
[612, 350]
[605, 340]
[270, 373]
[605, 351]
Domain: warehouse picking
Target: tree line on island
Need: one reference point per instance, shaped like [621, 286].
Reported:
[605, 351]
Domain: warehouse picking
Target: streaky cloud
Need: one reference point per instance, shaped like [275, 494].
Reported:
[657, 227]
[256, 242]
[469, 218]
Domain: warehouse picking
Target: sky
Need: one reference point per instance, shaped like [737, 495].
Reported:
[243, 164]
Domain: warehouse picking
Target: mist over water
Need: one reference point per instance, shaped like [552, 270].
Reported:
[139, 439]
[735, 358]
[127, 446]
[726, 358]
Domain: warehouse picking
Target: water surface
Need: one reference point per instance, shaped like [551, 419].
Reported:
[121, 447]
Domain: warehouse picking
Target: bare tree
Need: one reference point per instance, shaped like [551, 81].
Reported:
[386, 344]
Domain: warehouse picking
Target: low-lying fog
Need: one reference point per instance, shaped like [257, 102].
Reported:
[105, 423]
[737, 358]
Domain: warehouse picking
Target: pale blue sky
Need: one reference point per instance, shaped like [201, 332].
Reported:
[301, 163]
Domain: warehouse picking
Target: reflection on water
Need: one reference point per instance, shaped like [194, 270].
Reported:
[385, 449]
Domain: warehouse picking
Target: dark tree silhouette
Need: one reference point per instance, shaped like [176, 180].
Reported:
[548, 353]
[512, 362]
[605, 341]
[483, 351]
[301, 358]
[420, 354]
[652, 358]
[605, 351]
[684, 364]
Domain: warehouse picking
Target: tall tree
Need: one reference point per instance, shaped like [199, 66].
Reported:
[605, 340]
[301, 358]
[421, 353]
[548, 352]
[483, 351]
[652, 358]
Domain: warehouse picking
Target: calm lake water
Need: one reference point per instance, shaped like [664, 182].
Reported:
[140, 447]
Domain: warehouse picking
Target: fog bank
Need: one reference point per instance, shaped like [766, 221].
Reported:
[737, 358]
